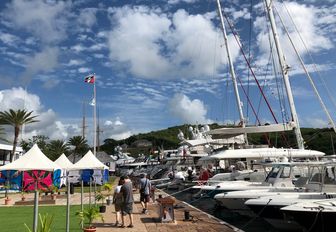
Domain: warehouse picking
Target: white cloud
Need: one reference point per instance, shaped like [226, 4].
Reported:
[181, 1]
[84, 70]
[74, 62]
[87, 17]
[177, 46]
[189, 111]
[116, 129]
[44, 61]
[8, 39]
[47, 21]
[48, 124]
[307, 22]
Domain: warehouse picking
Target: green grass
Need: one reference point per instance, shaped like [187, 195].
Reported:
[13, 218]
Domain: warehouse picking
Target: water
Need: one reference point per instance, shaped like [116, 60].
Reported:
[209, 205]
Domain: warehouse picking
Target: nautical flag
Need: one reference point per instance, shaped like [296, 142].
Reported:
[90, 79]
[93, 102]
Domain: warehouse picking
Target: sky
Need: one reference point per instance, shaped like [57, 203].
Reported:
[161, 63]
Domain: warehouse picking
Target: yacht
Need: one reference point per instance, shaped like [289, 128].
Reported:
[321, 185]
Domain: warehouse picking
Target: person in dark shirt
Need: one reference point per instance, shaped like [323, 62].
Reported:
[145, 190]
[127, 206]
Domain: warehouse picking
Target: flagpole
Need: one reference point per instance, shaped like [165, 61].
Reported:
[94, 117]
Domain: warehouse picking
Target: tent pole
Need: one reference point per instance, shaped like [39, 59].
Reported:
[82, 208]
[95, 192]
[68, 203]
[90, 193]
[35, 222]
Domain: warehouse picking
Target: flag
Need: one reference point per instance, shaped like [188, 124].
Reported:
[90, 79]
[93, 102]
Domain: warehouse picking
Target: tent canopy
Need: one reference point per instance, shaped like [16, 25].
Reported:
[34, 159]
[89, 161]
[63, 162]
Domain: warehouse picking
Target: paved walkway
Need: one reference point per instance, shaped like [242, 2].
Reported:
[146, 222]
[150, 222]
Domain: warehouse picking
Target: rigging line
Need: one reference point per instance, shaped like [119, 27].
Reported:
[310, 56]
[331, 121]
[254, 112]
[249, 66]
[249, 57]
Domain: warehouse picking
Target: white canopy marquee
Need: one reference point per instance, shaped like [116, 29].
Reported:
[34, 159]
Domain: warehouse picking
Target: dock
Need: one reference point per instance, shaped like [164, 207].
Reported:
[150, 222]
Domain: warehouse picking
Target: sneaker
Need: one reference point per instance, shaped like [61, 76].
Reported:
[146, 211]
[143, 210]
[130, 226]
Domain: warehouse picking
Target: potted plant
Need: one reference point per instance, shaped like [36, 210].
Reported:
[108, 187]
[23, 193]
[53, 189]
[101, 197]
[7, 199]
[87, 216]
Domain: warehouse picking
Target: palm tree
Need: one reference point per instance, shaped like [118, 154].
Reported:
[57, 148]
[16, 118]
[80, 144]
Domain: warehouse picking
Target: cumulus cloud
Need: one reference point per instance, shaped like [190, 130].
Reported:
[309, 27]
[175, 46]
[189, 111]
[47, 21]
[48, 124]
[116, 129]
[44, 61]
[87, 17]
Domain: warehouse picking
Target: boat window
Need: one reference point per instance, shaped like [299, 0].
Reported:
[273, 173]
[285, 172]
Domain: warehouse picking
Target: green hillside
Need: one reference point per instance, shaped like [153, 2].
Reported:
[316, 139]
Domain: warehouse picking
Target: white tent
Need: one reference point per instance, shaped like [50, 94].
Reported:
[34, 159]
[89, 161]
[63, 162]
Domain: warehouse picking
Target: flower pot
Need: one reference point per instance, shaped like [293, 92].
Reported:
[109, 201]
[102, 209]
[7, 201]
[91, 229]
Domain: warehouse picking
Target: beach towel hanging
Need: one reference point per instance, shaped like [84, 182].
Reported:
[87, 175]
[13, 178]
[57, 178]
[42, 178]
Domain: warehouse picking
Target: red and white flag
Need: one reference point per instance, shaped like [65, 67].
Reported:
[90, 79]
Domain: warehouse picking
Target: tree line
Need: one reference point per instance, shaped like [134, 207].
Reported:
[315, 138]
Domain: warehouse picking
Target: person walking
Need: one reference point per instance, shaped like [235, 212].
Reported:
[145, 189]
[118, 201]
[127, 206]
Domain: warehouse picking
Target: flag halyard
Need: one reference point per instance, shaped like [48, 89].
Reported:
[90, 79]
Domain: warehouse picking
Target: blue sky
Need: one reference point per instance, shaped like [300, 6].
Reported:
[157, 63]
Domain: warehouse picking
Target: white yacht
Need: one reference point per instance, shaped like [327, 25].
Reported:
[313, 215]
[321, 185]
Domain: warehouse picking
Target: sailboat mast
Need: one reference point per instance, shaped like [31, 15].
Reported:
[83, 121]
[232, 70]
[94, 118]
[284, 71]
